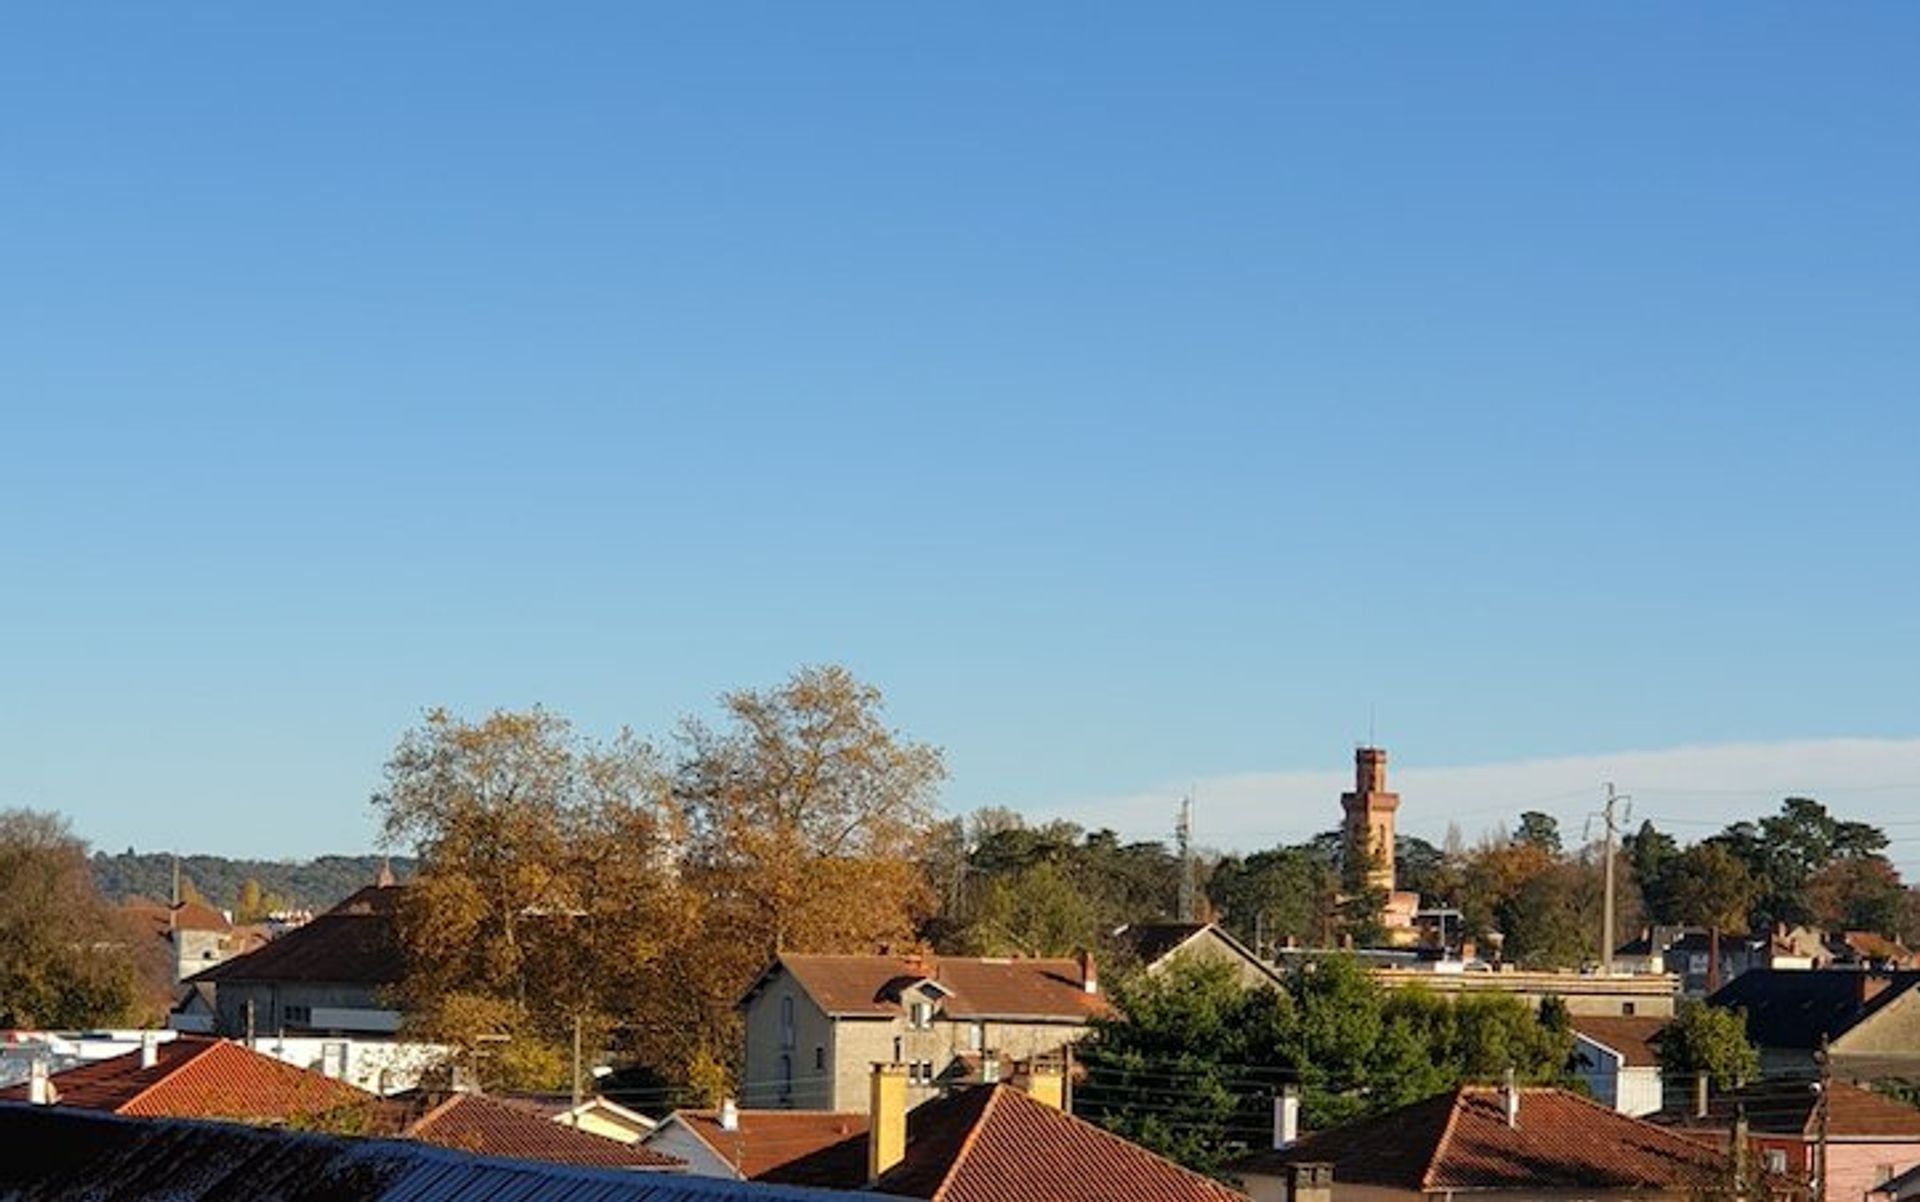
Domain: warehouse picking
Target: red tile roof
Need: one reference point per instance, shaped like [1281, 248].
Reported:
[1790, 1106]
[198, 1077]
[976, 987]
[765, 1141]
[996, 1144]
[356, 942]
[1632, 1037]
[492, 1127]
[1460, 1140]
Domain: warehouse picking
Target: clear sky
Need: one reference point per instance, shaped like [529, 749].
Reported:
[1141, 395]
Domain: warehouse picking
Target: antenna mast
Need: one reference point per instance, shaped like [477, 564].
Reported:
[1183, 842]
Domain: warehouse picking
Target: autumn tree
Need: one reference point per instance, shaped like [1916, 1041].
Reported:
[64, 960]
[1860, 893]
[1709, 886]
[545, 881]
[807, 816]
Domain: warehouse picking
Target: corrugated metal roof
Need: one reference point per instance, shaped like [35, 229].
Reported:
[83, 1156]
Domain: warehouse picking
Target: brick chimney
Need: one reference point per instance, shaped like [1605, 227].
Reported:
[1286, 1116]
[1089, 979]
[1047, 1084]
[1310, 1181]
[886, 1119]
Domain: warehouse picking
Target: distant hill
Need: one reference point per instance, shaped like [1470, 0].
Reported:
[314, 884]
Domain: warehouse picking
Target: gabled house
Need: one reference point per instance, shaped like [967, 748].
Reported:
[1869, 1139]
[1870, 1021]
[329, 976]
[496, 1127]
[603, 1117]
[1502, 1145]
[992, 1143]
[1154, 946]
[816, 1024]
[1617, 1059]
[191, 1076]
[748, 1145]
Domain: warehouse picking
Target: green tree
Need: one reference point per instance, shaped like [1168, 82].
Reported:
[1708, 885]
[1710, 1040]
[1189, 1071]
[64, 960]
[1038, 911]
[1275, 895]
[1539, 830]
[1649, 852]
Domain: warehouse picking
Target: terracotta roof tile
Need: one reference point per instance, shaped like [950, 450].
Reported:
[996, 1144]
[492, 1127]
[766, 1142]
[198, 1077]
[1460, 1140]
[977, 987]
[353, 943]
[1789, 1106]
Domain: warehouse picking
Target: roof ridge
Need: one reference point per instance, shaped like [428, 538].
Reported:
[168, 1075]
[1429, 1173]
[433, 1114]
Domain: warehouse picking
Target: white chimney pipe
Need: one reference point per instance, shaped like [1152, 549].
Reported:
[149, 1049]
[39, 1085]
[1511, 1096]
[729, 1115]
[1286, 1116]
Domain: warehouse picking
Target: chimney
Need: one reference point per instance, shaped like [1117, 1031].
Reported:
[1742, 1137]
[729, 1115]
[1510, 1097]
[1700, 1096]
[40, 1090]
[1286, 1116]
[1089, 980]
[1310, 1181]
[1047, 1085]
[886, 1119]
[149, 1049]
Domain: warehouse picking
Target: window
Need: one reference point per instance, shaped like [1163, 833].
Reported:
[920, 1072]
[297, 1016]
[920, 1016]
[977, 1037]
[819, 1058]
[786, 1021]
[786, 1078]
[1776, 1160]
[1626, 1007]
[897, 1049]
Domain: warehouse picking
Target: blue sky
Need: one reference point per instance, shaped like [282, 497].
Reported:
[1140, 398]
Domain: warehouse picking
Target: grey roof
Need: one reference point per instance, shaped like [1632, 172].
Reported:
[83, 1156]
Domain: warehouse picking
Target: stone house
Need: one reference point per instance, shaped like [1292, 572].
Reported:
[816, 1025]
[1870, 1021]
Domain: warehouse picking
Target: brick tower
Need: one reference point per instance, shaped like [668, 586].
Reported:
[1369, 822]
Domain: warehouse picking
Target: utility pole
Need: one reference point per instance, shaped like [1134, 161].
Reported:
[576, 1068]
[1606, 906]
[1183, 839]
[1822, 1110]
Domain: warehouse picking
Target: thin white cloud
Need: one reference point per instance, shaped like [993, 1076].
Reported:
[1689, 791]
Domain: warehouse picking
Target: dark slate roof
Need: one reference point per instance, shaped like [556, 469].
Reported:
[1795, 1008]
[1148, 941]
[81, 1156]
[1790, 1106]
[354, 943]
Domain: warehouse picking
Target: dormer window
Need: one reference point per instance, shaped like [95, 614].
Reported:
[919, 1016]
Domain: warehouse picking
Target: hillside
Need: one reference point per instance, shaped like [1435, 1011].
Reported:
[315, 884]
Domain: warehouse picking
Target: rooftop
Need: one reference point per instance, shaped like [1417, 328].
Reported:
[353, 943]
[194, 1076]
[1460, 1140]
[765, 1141]
[494, 1127]
[975, 986]
[997, 1144]
[1633, 1037]
[1796, 1008]
[1790, 1106]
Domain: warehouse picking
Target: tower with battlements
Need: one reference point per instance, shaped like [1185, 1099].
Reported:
[1368, 828]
